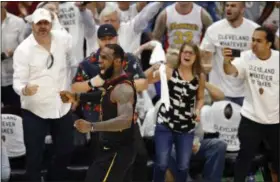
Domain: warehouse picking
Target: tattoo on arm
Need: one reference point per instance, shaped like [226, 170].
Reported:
[123, 95]
[160, 26]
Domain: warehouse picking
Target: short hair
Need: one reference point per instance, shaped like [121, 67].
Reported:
[118, 51]
[109, 9]
[270, 37]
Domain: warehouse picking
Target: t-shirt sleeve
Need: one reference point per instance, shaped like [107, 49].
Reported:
[240, 65]
[207, 43]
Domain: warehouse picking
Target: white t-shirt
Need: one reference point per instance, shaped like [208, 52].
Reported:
[205, 119]
[70, 18]
[261, 103]
[127, 15]
[218, 36]
[13, 132]
[228, 128]
[213, 120]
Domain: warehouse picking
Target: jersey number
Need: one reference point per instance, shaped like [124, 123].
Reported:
[181, 37]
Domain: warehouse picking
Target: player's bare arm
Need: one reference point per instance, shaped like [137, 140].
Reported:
[123, 95]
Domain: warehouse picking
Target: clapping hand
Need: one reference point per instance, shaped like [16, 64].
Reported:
[30, 89]
[83, 126]
[68, 97]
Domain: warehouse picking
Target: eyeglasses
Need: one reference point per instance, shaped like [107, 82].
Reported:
[50, 61]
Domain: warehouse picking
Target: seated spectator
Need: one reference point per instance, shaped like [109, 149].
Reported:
[12, 130]
[224, 118]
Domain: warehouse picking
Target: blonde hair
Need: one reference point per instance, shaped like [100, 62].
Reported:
[108, 10]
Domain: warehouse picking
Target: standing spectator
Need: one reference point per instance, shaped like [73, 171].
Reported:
[259, 67]
[256, 11]
[42, 67]
[12, 35]
[53, 8]
[128, 10]
[175, 125]
[129, 33]
[79, 22]
[234, 32]
[209, 149]
[184, 22]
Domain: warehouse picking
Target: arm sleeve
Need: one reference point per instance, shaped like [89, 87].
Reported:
[72, 61]
[141, 20]
[21, 71]
[89, 23]
[22, 32]
[207, 43]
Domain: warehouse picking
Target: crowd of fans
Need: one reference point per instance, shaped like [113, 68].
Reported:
[206, 76]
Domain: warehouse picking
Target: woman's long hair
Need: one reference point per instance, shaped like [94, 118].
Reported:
[196, 67]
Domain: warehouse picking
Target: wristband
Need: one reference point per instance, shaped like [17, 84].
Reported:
[91, 130]
[96, 81]
[89, 84]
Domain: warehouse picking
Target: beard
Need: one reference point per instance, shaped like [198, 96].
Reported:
[108, 73]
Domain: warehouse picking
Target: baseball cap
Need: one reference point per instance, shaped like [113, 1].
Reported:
[41, 14]
[106, 30]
